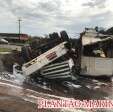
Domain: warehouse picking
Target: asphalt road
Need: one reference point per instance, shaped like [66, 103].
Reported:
[18, 96]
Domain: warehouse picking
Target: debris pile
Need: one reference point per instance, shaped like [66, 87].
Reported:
[55, 58]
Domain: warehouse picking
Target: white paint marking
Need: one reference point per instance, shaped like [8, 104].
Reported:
[96, 87]
[101, 83]
[95, 80]
[88, 86]
[76, 86]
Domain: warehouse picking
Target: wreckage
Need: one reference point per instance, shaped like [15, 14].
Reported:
[93, 56]
[61, 58]
[97, 53]
[56, 59]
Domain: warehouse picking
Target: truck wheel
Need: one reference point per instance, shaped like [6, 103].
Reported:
[64, 36]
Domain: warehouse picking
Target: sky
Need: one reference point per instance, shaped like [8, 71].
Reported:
[40, 17]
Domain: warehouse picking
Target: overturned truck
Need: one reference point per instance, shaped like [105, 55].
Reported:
[92, 55]
[62, 58]
[54, 60]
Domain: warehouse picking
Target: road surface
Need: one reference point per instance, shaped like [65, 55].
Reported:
[16, 96]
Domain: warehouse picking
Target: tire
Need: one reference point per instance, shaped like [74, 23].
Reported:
[64, 36]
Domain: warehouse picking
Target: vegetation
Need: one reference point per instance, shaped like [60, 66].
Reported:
[5, 50]
[109, 31]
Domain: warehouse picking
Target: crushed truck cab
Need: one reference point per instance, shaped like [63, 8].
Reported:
[44, 59]
[55, 62]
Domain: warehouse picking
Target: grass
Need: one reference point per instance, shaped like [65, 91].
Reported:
[5, 50]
